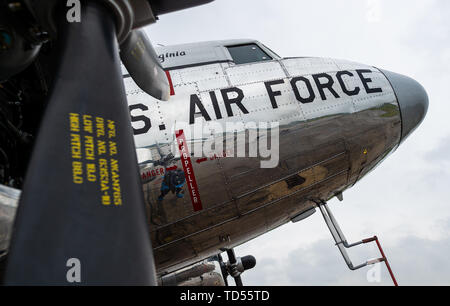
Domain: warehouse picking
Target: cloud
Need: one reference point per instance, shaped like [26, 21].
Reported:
[415, 261]
[441, 153]
[374, 11]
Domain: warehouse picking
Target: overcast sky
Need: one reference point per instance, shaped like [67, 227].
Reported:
[405, 200]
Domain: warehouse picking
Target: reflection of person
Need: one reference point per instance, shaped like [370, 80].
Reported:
[173, 181]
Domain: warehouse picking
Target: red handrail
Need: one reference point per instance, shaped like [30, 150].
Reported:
[383, 258]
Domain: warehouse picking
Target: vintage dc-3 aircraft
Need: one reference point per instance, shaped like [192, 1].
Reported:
[146, 173]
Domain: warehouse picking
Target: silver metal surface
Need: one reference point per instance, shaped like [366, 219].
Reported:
[205, 273]
[325, 146]
[9, 198]
[186, 55]
[413, 101]
[303, 215]
[339, 238]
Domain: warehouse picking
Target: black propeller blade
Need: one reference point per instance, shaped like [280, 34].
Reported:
[82, 205]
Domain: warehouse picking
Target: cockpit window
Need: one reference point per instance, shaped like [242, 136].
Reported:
[250, 53]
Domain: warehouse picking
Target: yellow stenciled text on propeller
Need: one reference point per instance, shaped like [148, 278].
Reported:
[100, 126]
[88, 125]
[101, 147]
[91, 172]
[75, 141]
[111, 129]
[77, 172]
[104, 181]
[74, 120]
[89, 147]
[112, 148]
[115, 177]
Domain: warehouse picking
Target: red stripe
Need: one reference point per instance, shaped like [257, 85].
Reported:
[169, 78]
[188, 170]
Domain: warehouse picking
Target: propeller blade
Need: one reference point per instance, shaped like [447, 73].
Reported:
[142, 63]
[81, 217]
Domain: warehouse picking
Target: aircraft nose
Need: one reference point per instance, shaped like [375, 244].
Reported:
[413, 101]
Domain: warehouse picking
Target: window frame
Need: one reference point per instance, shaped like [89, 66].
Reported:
[269, 53]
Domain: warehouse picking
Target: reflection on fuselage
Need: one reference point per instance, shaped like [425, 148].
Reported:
[337, 119]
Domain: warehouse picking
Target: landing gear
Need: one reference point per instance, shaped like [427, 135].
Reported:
[236, 266]
[342, 244]
[210, 272]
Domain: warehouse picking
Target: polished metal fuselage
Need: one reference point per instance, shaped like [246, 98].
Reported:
[326, 144]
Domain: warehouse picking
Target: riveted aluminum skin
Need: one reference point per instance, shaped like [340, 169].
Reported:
[325, 147]
[9, 198]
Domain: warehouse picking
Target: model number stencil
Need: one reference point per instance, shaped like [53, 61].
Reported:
[94, 153]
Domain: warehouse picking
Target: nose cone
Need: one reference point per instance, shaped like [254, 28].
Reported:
[413, 101]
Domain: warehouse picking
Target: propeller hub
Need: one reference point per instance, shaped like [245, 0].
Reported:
[128, 14]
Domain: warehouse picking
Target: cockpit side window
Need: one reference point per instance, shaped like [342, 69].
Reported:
[250, 53]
